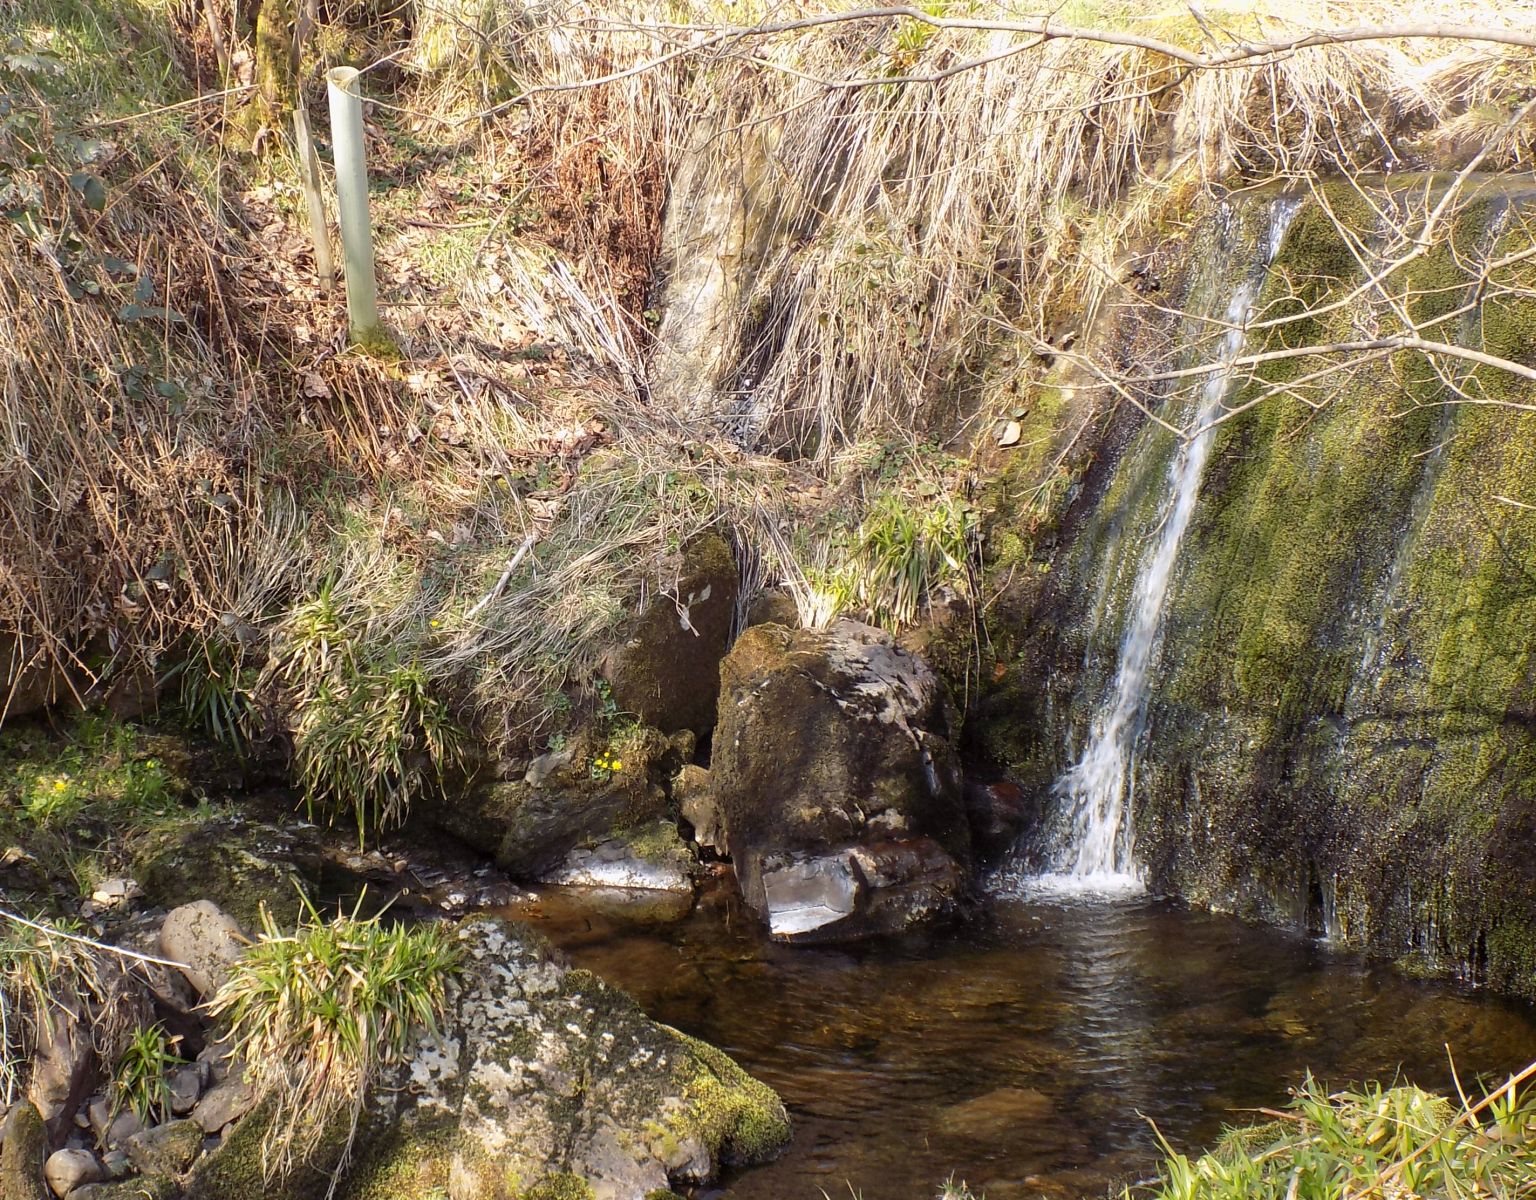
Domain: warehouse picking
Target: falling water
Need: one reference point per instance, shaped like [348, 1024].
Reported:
[1092, 851]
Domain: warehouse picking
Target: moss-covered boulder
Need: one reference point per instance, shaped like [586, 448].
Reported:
[838, 787]
[23, 1154]
[667, 671]
[600, 785]
[545, 1081]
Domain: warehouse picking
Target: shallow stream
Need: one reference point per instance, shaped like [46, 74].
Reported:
[1019, 1051]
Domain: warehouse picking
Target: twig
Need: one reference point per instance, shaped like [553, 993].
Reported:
[501, 584]
[51, 931]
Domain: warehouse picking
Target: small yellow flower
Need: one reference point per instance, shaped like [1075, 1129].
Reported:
[617, 763]
[434, 622]
[59, 785]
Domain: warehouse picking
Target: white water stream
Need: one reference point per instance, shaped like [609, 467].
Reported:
[1090, 847]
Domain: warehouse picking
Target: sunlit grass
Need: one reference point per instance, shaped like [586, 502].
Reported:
[317, 1015]
[1373, 1141]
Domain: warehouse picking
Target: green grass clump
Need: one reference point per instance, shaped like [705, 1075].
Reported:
[903, 554]
[317, 1015]
[1376, 1141]
[370, 733]
[140, 1079]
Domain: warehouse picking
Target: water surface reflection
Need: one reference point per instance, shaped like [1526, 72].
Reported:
[1018, 1050]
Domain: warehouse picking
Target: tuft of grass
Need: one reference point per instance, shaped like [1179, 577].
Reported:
[316, 1016]
[139, 1080]
[371, 741]
[904, 554]
[371, 734]
[958, 1189]
[1374, 1141]
[48, 977]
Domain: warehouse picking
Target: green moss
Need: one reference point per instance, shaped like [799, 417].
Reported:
[22, 1155]
[561, 1186]
[739, 1118]
[1349, 643]
[224, 861]
[410, 1162]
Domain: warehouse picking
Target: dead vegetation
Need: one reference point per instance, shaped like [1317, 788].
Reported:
[190, 454]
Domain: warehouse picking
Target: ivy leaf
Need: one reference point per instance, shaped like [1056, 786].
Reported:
[144, 289]
[91, 190]
[118, 266]
[32, 64]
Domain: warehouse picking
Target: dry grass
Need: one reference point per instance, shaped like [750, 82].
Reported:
[191, 480]
[50, 983]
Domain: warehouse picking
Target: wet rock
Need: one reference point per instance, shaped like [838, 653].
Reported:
[532, 831]
[183, 1087]
[668, 671]
[225, 1102]
[167, 1149]
[242, 866]
[22, 1155]
[205, 940]
[695, 797]
[66, 1170]
[649, 859]
[996, 1115]
[542, 1074]
[998, 813]
[837, 784]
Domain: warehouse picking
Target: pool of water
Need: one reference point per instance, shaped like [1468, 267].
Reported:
[1028, 1051]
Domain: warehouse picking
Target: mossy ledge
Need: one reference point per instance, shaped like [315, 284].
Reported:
[1342, 717]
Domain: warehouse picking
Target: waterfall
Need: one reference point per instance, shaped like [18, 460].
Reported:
[1090, 848]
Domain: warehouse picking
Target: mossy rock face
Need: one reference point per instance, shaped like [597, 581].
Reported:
[838, 785]
[23, 1154]
[601, 785]
[1339, 726]
[241, 865]
[544, 1082]
[667, 672]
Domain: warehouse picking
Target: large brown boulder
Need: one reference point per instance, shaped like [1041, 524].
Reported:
[838, 788]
